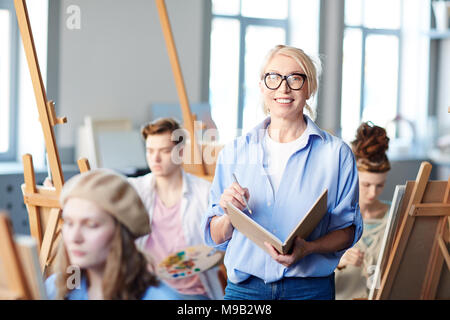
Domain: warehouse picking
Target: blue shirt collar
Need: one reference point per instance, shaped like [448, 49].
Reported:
[256, 135]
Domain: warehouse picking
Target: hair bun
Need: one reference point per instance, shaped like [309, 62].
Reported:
[370, 148]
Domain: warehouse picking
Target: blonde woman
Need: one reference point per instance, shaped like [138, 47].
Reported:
[282, 166]
[357, 265]
[103, 215]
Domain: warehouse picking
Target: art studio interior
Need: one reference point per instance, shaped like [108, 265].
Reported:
[107, 68]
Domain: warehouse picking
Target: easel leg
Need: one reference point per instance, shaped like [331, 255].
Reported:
[438, 254]
[434, 266]
[49, 235]
[30, 188]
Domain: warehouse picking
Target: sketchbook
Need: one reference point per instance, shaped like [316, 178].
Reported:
[256, 233]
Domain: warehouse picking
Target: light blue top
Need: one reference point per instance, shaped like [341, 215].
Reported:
[321, 162]
[162, 292]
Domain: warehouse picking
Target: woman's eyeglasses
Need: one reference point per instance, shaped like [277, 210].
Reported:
[294, 81]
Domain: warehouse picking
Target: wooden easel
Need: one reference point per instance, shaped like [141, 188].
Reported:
[42, 203]
[415, 268]
[196, 164]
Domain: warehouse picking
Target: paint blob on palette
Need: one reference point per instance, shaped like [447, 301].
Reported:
[188, 262]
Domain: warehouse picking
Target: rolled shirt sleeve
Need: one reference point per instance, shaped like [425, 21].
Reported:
[214, 208]
[346, 212]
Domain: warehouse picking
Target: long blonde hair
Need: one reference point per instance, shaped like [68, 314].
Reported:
[126, 276]
[311, 68]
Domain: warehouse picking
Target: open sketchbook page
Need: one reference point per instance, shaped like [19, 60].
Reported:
[252, 229]
[259, 235]
[309, 222]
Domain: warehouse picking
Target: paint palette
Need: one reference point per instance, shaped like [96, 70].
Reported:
[188, 262]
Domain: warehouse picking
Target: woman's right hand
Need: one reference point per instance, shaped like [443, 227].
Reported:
[234, 194]
[353, 256]
[220, 226]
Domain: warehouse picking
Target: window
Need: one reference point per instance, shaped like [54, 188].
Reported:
[20, 129]
[386, 72]
[242, 32]
[8, 80]
[371, 82]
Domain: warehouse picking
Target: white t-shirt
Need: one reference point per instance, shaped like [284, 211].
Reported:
[278, 154]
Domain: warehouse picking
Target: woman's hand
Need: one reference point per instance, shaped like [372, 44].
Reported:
[352, 257]
[234, 194]
[300, 249]
[220, 227]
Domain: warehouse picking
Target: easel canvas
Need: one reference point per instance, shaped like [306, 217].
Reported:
[100, 138]
[388, 236]
[20, 274]
[418, 265]
[27, 249]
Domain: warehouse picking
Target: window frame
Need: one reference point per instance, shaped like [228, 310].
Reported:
[244, 23]
[365, 33]
[11, 153]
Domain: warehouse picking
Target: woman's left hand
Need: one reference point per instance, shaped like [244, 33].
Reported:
[301, 249]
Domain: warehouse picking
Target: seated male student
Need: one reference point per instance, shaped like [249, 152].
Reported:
[176, 202]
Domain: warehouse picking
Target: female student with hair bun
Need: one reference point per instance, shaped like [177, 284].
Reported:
[102, 217]
[358, 263]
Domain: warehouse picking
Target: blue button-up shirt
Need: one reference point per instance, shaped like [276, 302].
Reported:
[321, 162]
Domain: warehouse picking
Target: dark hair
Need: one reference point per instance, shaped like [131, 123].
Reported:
[164, 125]
[370, 148]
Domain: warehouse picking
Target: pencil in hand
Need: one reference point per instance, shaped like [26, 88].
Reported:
[243, 197]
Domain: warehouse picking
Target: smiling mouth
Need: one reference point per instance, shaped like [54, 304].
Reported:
[284, 100]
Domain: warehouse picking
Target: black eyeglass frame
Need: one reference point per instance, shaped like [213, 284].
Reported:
[304, 77]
